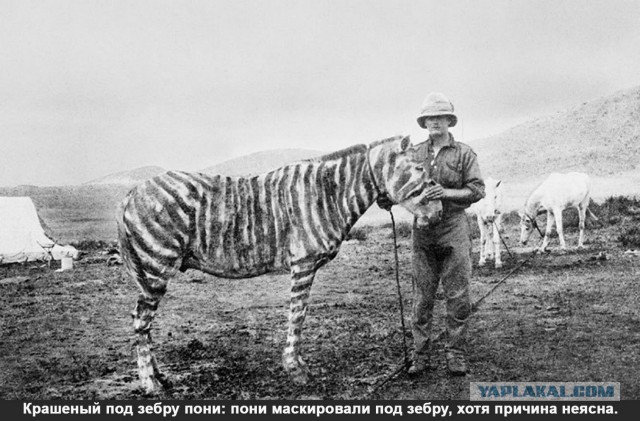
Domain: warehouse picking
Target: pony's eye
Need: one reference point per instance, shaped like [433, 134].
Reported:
[413, 194]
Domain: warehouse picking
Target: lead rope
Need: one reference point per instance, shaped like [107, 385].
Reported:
[535, 224]
[395, 251]
[406, 362]
[502, 239]
[475, 305]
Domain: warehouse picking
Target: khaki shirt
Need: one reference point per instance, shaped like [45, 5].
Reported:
[455, 167]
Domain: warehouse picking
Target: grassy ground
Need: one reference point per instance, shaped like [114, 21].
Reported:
[570, 316]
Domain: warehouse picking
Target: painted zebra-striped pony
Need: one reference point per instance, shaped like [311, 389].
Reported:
[291, 218]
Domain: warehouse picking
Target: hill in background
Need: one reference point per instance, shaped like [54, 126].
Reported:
[599, 137]
[244, 166]
[75, 213]
[261, 162]
[128, 177]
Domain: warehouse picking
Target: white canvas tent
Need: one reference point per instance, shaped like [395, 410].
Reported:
[22, 238]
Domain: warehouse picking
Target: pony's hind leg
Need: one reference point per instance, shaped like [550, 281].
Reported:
[152, 292]
[302, 279]
[582, 214]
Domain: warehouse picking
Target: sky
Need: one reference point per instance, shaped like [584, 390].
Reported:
[93, 87]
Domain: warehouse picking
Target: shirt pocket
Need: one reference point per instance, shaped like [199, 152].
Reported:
[451, 175]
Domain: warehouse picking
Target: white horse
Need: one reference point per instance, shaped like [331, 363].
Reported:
[488, 212]
[553, 195]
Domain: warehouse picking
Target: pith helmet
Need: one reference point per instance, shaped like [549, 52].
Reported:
[436, 104]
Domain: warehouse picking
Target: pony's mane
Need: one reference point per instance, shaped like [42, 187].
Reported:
[533, 191]
[527, 200]
[361, 148]
[338, 154]
[383, 141]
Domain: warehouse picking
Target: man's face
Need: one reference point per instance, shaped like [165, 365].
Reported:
[437, 125]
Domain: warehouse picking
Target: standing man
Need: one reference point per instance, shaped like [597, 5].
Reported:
[442, 253]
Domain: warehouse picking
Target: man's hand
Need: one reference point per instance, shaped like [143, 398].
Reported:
[435, 192]
[384, 202]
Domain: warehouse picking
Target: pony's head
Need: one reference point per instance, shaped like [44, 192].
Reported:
[400, 174]
[489, 207]
[527, 225]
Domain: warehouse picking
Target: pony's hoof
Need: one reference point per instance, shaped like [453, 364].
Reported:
[151, 385]
[300, 379]
[297, 369]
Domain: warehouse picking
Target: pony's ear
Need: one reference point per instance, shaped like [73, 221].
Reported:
[405, 143]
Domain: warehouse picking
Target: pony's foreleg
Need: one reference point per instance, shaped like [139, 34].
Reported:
[547, 232]
[496, 243]
[559, 227]
[301, 282]
[483, 242]
[489, 242]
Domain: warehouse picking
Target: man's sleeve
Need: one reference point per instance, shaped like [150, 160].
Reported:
[472, 179]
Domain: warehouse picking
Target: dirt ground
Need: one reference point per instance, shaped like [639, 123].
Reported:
[572, 316]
